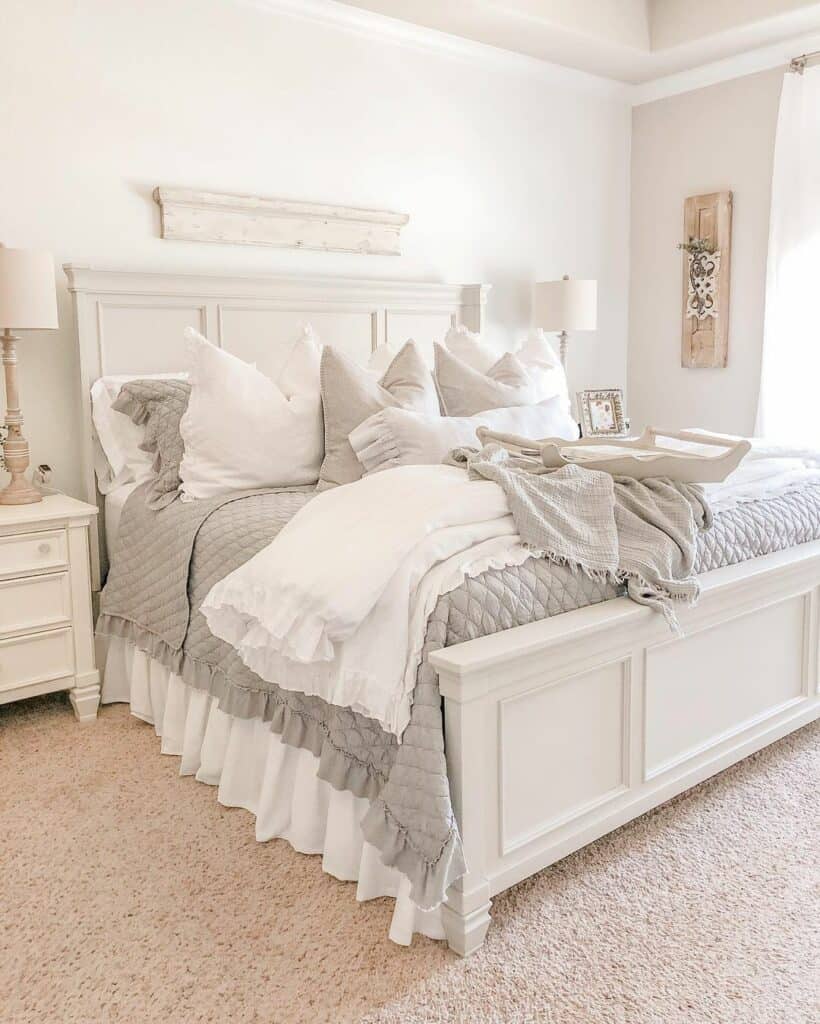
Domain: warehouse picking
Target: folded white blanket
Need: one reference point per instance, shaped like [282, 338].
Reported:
[766, 471]
[337, 605]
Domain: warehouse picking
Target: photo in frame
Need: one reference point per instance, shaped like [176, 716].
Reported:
[602, 412]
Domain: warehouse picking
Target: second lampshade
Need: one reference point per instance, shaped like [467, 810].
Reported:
[565, 305]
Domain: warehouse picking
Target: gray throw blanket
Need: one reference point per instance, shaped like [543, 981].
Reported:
[639, 532]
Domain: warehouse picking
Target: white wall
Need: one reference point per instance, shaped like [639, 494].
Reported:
[717, 138]
[508, 176]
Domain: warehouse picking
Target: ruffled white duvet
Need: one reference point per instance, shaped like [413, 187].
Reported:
[337, 605]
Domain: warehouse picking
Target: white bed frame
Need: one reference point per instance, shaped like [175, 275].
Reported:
[132, 322]
[559, 731]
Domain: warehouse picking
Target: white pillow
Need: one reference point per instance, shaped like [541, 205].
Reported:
[401, 437]
[470, 349]
[240, 431]
[544, 367]
[300, 373]
[380, 360]
[118, 459]
[539, 358]
[465, 391]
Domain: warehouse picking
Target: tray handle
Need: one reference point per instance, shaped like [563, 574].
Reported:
[734, 445]
[512, 442]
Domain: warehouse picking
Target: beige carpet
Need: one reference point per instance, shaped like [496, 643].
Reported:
[129, 894]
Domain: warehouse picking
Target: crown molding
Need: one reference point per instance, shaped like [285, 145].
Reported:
[367, 23]
[761, 59]
[372, 25]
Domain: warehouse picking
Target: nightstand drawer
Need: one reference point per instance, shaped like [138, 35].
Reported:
[34, 602]
[25, 553]
[35, 659]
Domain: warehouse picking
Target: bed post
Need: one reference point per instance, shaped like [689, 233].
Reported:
[466, 912]
[473, 306]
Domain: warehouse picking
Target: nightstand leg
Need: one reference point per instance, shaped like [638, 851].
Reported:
[85, 700]
[85, 694]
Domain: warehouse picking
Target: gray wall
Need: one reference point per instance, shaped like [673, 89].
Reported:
[721, 137]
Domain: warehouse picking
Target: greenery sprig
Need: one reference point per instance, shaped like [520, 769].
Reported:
[696, 246]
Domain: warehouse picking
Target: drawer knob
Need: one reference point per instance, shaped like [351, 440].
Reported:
[44, 548]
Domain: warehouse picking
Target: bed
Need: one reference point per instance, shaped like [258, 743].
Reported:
[598, 697]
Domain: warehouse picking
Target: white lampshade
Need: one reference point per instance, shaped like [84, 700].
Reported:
[28, 297]
[565, 305]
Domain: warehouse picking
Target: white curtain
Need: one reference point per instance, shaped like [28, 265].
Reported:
[789, 408]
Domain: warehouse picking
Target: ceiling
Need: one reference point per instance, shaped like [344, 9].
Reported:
[631, 41]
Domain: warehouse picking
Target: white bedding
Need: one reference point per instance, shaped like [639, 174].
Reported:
[766, 471]
[337, 604]
[253, 768]
[114, 503]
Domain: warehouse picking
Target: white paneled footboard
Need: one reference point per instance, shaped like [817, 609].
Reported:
[559, 731]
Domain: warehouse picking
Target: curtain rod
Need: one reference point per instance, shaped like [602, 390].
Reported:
[799, 64]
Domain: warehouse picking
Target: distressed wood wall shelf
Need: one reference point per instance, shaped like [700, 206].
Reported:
[255, 220]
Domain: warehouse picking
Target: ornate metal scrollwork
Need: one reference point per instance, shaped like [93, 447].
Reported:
[701, 300]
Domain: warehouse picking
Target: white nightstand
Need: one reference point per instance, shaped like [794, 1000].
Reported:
[46, 625]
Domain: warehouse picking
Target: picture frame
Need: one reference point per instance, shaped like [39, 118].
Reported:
[602, 412]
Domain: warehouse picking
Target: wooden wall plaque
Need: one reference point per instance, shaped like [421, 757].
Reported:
[257, 220]
[705, 341]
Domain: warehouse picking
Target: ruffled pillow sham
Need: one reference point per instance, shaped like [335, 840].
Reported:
[118, 456]
[400, 437]
[158, 406]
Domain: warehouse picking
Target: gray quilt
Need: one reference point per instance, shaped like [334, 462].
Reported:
[639, 532]
[151, 600]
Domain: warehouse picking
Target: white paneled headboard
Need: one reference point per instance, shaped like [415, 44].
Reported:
[133, 322]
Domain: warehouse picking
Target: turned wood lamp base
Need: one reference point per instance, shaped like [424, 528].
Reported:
[20, 490]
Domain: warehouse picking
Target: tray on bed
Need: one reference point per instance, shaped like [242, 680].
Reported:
[698, 457]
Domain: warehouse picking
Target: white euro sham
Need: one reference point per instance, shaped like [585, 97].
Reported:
[240, 430]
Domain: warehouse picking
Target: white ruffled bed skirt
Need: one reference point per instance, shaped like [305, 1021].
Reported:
[254, 769]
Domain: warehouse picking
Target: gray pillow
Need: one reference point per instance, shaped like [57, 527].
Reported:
[351, 393]
[465, 391]
[158, 405]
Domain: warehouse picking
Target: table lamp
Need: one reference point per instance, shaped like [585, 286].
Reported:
[28, 301]
[565, 305]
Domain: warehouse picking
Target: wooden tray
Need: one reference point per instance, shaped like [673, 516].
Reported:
[638, 457]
